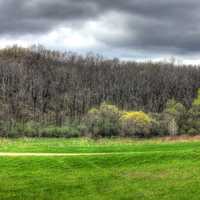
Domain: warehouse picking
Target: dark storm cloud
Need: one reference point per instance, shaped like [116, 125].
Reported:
[162, 26]
[157, 25]
[38, 16]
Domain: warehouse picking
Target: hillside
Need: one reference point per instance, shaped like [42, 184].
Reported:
[46, 86]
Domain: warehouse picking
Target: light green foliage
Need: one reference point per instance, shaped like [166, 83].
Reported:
[196, 101]
[103, 121]
[135, 123]
[174, 114]
[108, 120]
[175, 109]
[193, 122]
[159, 124]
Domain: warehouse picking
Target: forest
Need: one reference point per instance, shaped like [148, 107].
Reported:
[64, 94]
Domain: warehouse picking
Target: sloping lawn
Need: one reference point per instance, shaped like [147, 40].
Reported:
[154, 170]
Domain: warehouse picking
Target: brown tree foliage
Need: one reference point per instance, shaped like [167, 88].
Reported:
[49, 86]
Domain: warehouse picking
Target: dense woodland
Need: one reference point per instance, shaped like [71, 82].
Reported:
[52, 87]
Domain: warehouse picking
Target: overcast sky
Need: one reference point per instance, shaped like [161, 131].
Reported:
[128, 29]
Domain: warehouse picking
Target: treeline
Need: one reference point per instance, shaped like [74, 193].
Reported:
[51, 87]
[108, 120]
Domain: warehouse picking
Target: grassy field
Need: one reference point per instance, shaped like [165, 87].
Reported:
[151, 169]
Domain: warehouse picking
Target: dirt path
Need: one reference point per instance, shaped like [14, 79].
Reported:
[6, 154]
[10, 154]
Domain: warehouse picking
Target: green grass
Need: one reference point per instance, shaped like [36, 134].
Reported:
[40, 145]
[158, 170]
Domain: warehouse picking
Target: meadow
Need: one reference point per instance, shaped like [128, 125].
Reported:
[133, 169]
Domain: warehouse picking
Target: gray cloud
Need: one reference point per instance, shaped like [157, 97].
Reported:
[171, 26]
[33, 16]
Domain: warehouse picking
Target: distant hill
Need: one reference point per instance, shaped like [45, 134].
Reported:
[36, 83]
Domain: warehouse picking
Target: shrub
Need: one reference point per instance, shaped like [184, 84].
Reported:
[192, 131]
[193, 122]
[65, 132]
[34, 129]
[175, 109]
[174, 117]
[159, 127]
[196, 101]
[18, 129]
[135, 124]
[103, 121]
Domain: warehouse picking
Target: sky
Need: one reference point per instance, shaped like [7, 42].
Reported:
[128, 29]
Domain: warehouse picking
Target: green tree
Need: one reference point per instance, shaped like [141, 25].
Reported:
[103, 121]
[135, 124]
[193, 122]
[174, 114]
